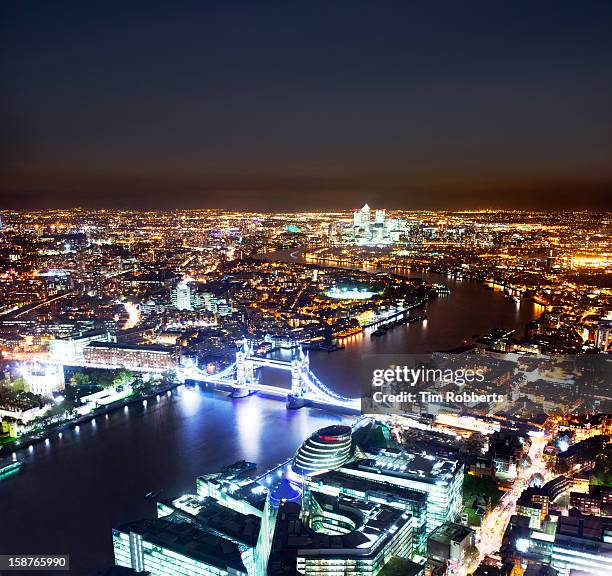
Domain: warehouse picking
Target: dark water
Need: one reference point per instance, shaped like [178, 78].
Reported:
[452, 320]
[71, 492]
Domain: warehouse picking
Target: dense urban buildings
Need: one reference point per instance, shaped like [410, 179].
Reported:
[483, 447]
[306, 288]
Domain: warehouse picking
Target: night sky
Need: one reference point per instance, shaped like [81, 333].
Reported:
[306, 105]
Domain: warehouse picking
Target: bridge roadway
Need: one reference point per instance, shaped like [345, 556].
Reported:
[312, 388]
[307, 385]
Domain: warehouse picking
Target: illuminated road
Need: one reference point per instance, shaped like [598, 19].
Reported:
[31, 307]
[494, 524]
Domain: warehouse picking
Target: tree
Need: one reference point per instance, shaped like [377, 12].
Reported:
[19, 385]
[169, 377]
[561, 466]
[104, 378]
[123, 377]
[476, 486]
[80, 379]
[602, 472]
[144, 388]
[55, 410]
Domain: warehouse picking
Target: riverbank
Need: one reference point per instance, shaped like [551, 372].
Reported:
[30, 439]
[305, 257]
[167, 443]
[111, 463]
[452, 321]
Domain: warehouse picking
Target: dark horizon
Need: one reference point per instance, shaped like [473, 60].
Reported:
[318, 106]
[561, 198]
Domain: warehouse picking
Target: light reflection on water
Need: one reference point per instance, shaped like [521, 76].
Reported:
[190, 399]
[100, 473]
[97, 477]
[249, 425]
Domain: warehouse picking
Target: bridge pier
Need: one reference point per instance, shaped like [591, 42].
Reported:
[294, 402]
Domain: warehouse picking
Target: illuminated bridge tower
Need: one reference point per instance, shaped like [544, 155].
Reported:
[300, 365]
[245, 373]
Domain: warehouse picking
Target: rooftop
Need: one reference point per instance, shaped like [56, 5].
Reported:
[375, 524]
[215, 518]
[135, 347]
[402, 567]
[336, 431]
[421, 467]
[188, 540]
[450, 532]
[336, 477]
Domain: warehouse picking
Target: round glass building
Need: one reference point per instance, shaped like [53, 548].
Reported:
[327, 449]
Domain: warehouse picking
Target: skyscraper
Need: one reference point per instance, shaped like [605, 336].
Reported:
[365, 216]
[181, 296]
[375, 228]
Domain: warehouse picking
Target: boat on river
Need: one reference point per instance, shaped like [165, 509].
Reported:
[9, 468]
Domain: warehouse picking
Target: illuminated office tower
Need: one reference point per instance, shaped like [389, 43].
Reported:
[365, 216]
[340, 536]
[441, 479]
[374, 228]
[163, 548]
[583, 546]
[572, 545]
[222, 307]
[379, 232]
[181, 296]
[70, 348]
[205, 300]
[550, 260]
[361, 225]
[212, 517]
[266, 535]
[212, 303]
[249, 509]
[338, 484]
[603, 335]
[235, 490]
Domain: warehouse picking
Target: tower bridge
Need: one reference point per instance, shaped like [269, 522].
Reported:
[241, 376]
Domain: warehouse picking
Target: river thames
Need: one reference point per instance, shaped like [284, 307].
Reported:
[73, 489]
[452, 320]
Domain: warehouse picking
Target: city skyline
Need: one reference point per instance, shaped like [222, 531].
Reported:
[306, 289]
[411, 369]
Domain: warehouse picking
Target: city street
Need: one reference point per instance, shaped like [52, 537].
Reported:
[494, 524]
